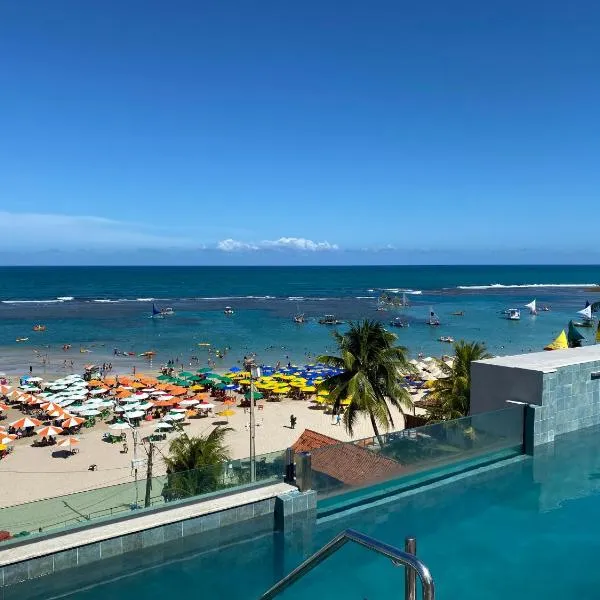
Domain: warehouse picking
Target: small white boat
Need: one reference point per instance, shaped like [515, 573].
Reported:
[168, 311]
[447, 339]
[299, 318]
[588, 319]
[513, 314]
[398, 322]
[228, 310]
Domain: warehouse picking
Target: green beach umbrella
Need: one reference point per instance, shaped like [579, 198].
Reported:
[226, 380]
[257, 396]
[220, 386]
[182, 382]
[204, 370]
[185, 374]
[164, 378]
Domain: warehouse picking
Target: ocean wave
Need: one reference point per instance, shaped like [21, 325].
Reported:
[104, 301]
[495, 286]
[55, 301]
[296, 298]
[144, 300]
[65, 298]
[365, 297]
[403, 291]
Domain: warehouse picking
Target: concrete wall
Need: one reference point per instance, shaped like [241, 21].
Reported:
[262, 510]
[571, 401]
[493, 385]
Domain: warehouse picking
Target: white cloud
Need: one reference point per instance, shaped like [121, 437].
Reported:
[299, 244]
[283, 243]
[230, 245]
[38, 231]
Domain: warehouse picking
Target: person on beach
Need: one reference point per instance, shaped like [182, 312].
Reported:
[293, 421]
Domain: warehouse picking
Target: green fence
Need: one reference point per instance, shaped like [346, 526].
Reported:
[73, 510]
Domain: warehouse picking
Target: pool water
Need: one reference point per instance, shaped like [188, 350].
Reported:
[527, 529]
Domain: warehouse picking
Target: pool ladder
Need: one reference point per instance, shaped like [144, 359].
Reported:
[399, 558]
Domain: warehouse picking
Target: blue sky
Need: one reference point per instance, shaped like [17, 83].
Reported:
[317, 132]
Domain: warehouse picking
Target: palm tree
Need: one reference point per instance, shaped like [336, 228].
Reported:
[450, 395]
[372, 366]
[195, 464]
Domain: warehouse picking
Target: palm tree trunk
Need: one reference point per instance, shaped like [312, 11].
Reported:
[375, 429]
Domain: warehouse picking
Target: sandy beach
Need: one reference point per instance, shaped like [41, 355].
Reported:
[32, 473]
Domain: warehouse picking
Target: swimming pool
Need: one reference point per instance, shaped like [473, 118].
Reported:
[527, 529]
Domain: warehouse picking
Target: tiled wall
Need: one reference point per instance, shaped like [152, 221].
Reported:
[570, 401]
[258, 517]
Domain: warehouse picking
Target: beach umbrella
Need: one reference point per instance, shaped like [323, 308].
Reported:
[72, 422]
[197, 388]
[136, 414]
[90, 412]
[3, 406]
[257, 395]
[25, 422]
[226, 413]
[7, 438]
[190, 402]
[68, 442]
[309, 388]
[235, 369]
[50, 407]
[164, 426]
[5, 389]
[164, 378]
[49, 431]
[229, 402]
[205, 406]
[119, 426]
[185, 374]
[174, 417]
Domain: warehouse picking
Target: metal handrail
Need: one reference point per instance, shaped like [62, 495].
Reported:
[398, 558]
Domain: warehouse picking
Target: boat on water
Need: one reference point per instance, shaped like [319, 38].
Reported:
[156, 313]
[434, 320]
[559, 343]
[329, 320]
[513, 314]
[398, 322]
[167, 312]
[458, 313]
[39, 327]
[299, 318]
[574, 337]
[404, 301]
[21, 339]
[228, 310]
[446, 338]
[532, 307]
[587, 318]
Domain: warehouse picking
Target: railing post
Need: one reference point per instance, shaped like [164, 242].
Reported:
[304, 471]
[410, 575]
[290, 467]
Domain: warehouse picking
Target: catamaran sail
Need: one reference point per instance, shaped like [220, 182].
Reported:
[559, 343]
[155, 312]
[434, 320]
[586, 313]
[574, 338]
[404, 300]
[531, 307]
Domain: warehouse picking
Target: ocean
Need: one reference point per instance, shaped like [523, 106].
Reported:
[100, 309]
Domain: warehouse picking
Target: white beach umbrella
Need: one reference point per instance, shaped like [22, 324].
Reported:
[142, 396]
[148, 390]
[135, 414]
[90, 412]
[164, 426]
[189, 402]
[173, 417]
[207, 406]
[120, 426]
[178, 410]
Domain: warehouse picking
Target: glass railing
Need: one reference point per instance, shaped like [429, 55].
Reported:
[342, 468]
[61, 513]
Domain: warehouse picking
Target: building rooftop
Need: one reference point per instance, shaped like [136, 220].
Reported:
[547, 361]
[346, 462]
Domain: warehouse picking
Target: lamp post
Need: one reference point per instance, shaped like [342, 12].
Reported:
[255, 373]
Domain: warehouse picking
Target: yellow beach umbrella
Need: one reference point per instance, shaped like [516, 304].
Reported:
[227, 413]
[309, 388]
[282, 390]
[346, 402]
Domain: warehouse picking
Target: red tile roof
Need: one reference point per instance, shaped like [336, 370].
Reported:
[348, 463]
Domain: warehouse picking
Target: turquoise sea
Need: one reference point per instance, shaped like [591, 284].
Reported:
[103, 308]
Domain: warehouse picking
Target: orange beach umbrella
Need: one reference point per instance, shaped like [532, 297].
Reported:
[49, 431]
[26, 422]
